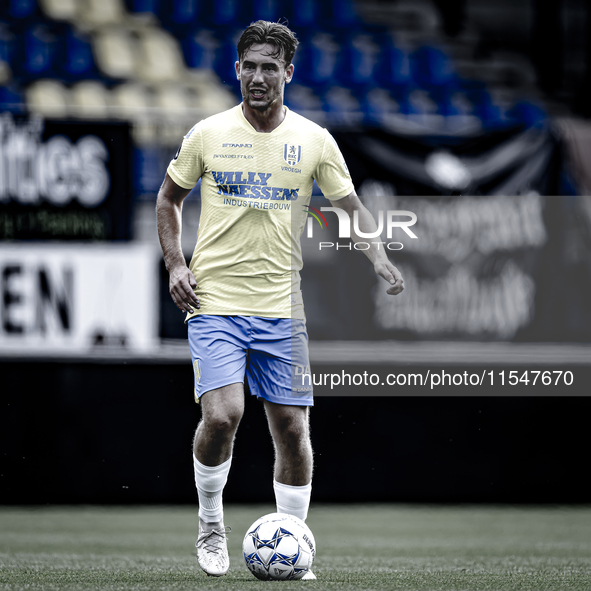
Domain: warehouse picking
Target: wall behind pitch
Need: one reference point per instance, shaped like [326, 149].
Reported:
[94, 433]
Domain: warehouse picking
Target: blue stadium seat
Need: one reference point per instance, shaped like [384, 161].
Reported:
[443, 97]
[393, 69]
[404, 98]
[201, 48]
[341, 107]
[302, 98]
[182, 16]
[319, 60]
[431, 67]
[41, 46]
[527, 113]
[302, 13]
[11, 99]
[339, 14]
[143, 5]
[377, 104]
[19, 10]
[185, 11]
[267, 10]
[225, 13]
[489, 114]
[79, 60]
[226, 58]
[9, 44]
[359, 62]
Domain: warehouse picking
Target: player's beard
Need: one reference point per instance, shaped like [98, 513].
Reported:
[272, 95]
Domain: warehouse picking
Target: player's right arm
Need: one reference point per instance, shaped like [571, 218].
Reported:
[169, 208]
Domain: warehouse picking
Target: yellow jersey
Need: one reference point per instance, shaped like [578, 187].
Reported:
[255, 189]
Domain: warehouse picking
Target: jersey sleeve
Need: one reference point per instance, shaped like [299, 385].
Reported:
[186, 168]
[332, 174]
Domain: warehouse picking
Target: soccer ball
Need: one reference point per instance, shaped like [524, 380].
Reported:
[279, 546]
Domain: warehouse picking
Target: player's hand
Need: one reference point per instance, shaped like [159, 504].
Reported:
[182, 284]
[392, 275]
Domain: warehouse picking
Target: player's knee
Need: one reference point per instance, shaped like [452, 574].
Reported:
[225, 421]
[292, 434]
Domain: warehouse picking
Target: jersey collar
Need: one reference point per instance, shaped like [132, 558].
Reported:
[243, 121]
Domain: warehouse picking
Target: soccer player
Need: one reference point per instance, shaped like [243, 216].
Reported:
[241, 292]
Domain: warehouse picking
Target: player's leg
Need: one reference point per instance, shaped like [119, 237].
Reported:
[219, 360]
[277, 362]
[290, 430]
[222, 410]
[277, 359]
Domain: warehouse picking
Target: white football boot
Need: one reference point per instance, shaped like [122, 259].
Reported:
[212, 551]
[309, 576]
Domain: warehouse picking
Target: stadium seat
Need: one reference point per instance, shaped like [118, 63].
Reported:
[116, 53]
[302, 14]
[416, 104]
[339, 14]
[378, 105]
[201, 48]
[19, 10]
[5, 72]
[319, 60]
[174, 99]
[484, 108]
[393, 68]
[224, 13]
[527, 113]
[207, 93]
[358, 67]
[48, 98]
[79, 60]
[97, 13]
[302, 98]
[160, 58]
[90, 100]
[60, 9]
[457, 109]
[267, 10]
[226, 57]
[11, 99]
[41, 48]
[131, 100]
[9, 43]
[185, 11]
[143, 5]
[430, 66]
[341, 107]
[180, 16]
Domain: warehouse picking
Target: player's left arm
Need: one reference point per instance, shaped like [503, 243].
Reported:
[382, 266]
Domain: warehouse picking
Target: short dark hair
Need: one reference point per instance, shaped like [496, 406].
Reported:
[272, 33]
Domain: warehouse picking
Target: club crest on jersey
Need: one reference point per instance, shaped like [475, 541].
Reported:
[292, 154]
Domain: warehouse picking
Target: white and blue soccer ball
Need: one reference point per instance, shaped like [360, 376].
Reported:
[279, 547]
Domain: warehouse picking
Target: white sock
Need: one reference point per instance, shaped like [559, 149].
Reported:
[210, 482]
[294, 500]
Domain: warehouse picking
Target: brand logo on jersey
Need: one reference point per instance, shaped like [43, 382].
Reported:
[292, 153]
[254, 185]
[236, 145]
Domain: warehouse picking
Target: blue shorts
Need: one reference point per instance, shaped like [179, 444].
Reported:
[271, 352]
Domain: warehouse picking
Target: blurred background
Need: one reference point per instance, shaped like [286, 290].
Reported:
[473, 114]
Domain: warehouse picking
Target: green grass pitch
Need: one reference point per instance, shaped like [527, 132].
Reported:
[358, 547]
